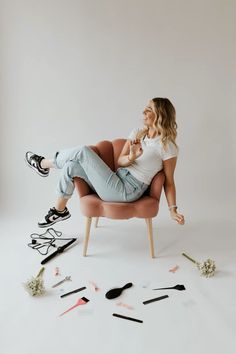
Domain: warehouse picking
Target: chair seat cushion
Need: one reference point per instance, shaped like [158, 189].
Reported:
[145, 207]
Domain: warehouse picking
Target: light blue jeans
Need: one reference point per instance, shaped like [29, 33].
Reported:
[83, 162]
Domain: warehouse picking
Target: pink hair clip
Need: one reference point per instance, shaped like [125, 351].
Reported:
[56, 271]
[174, 269]
[94, 286]
[125, 305]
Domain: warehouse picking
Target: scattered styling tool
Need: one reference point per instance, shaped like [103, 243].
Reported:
[155, 299]
[127, 318]
[113, 293]
[125, 305]
[176, 287]
[68, 278]
[35, 286]
[59, 250]
[207, 268]
[74, 291]
[79, 302]
[174, 269]
[94, 286]
[45, 241]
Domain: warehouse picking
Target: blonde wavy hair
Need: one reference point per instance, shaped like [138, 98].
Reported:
[165, 123]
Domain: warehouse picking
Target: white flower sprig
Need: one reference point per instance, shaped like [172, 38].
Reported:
[35, 286]
[207, 268]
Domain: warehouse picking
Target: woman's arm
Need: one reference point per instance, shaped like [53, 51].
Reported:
[124, 158]
[169, 188]
[130, 152]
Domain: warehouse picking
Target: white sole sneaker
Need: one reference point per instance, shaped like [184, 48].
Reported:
[53, 217]
[43, 172]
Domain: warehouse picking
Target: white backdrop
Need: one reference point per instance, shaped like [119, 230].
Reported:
[74, 72]
[77, 72]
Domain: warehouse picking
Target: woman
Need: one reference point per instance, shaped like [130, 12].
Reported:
[146, 151]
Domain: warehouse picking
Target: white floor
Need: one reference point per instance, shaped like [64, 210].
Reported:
[201, 319]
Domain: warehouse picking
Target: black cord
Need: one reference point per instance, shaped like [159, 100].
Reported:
[44, 247]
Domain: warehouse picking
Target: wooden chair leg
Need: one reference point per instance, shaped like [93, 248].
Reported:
[96, 222]
[87, 234]
[150, 236]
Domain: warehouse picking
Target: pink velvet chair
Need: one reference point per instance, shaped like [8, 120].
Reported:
[93, 207]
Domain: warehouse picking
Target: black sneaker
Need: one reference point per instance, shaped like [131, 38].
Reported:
[33, 161]
[54, 216]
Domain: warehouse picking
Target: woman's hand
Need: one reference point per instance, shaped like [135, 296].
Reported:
[135, 149]
[178, 217]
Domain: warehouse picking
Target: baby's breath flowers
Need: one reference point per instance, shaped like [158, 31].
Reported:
[35, 286]
[207, 268]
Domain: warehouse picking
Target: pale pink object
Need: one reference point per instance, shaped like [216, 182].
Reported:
[174, 269]
[94, 286]
[125, 305]
[56, 271]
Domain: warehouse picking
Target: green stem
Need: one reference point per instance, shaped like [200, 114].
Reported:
[191, 259]
[40, 272]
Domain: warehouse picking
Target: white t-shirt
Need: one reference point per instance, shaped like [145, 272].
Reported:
[146, 166]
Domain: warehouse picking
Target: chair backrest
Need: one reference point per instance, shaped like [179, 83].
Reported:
[109, 151]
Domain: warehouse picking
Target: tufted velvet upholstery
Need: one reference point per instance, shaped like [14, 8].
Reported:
[92, 206]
